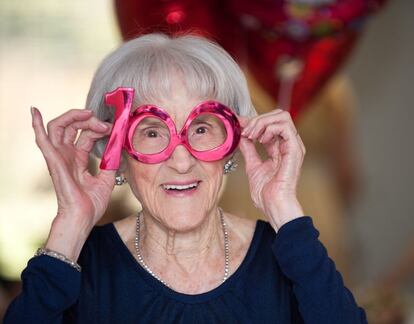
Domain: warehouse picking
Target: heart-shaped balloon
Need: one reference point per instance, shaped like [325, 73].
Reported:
[292, 47]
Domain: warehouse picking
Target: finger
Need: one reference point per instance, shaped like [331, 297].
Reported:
[279, 139]
[302, 145]
[271, 117]
[251, 157]
[283, 129]
[56, 127]
[273, 148]
[270, 133]
[43, 142]
[41, 137]
[107, 176]
[265, 120]
[92, 123]
[88, 137]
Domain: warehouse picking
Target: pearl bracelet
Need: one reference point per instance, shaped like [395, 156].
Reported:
[59, 256]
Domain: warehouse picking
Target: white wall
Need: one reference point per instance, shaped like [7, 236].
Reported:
[382, 69]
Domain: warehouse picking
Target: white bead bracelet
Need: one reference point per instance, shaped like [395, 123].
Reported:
[57, 255]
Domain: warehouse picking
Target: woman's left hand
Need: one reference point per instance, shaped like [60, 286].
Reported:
[273, 182]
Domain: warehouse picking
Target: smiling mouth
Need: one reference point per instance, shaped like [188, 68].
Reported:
[180, 188]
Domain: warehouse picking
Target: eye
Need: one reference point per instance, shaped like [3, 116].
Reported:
[201, 130]
[151, 133]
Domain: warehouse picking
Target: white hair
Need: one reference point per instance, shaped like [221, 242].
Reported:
[148, 64]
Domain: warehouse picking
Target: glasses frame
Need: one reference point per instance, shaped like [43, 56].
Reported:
[126, 122]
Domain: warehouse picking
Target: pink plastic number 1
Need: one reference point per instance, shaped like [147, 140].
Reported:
[121, 99]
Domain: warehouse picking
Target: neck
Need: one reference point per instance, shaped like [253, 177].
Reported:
[186, 251]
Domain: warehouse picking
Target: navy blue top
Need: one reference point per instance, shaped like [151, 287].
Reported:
[284, 278]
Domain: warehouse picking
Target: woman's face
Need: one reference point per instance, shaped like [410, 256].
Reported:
[181, 191]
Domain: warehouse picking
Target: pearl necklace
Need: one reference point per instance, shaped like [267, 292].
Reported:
[145, 266]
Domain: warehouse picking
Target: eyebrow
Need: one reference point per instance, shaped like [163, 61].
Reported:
[207, 119]
[150, 123]
[203, 117]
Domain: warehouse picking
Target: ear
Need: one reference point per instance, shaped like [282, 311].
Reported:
[123, 164]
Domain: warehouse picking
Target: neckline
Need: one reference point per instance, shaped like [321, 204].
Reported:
[188, 298]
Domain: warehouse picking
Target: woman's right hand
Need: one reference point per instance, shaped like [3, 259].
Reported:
[82, 197]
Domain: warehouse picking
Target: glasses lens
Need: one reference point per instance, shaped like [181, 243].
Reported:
[206, 132]
[151, 136]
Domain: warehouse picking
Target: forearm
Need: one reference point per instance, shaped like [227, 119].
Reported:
[318, 287]
[49, 287]
[282, 212]
[68, 235]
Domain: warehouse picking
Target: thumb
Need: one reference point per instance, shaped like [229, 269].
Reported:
[251, 157]
[107, 176]
[243, 120]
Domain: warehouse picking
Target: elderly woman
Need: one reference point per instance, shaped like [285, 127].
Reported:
[166, 116]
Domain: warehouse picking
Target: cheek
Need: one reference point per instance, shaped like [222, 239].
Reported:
[141, 177]
[214, 170]
[217, 181]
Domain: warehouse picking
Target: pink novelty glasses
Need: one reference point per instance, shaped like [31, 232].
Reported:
[149, 135]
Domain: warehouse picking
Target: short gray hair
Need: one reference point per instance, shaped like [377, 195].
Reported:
[148, 64]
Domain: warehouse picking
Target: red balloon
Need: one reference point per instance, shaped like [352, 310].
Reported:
[316, 62]
[292, 47]
[209, 18]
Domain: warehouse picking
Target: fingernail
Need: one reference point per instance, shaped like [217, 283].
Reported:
[86, 111]
[32, 110]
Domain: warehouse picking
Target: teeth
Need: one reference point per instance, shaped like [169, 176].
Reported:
[182, 187]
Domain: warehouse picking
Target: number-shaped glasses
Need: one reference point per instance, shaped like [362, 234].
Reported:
[149, 135]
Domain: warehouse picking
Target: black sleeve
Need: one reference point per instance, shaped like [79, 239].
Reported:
[49, 287]
[318, 287]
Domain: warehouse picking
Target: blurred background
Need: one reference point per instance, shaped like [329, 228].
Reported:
[355, 115]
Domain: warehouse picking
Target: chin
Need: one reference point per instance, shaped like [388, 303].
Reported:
[185, 220]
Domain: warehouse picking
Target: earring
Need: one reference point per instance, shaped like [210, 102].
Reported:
[230, 166]
[120, 180]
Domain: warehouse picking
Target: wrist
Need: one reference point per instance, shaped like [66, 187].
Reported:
[67, 236]
[59, 256]
[282, 212]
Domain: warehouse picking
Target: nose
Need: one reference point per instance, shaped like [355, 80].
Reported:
[181, 160]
